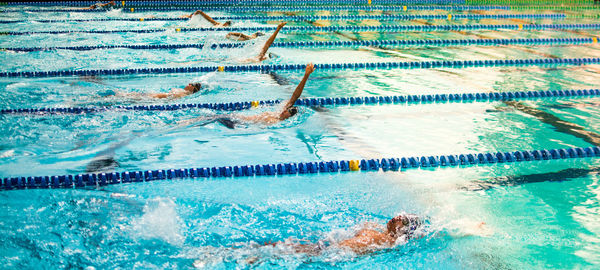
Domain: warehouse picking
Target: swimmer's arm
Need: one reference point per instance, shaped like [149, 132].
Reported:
[158, 95]
[109, 3]
[178, 93]
[189, 121]
[238, 36]
[265, 48]
[194, 120]
[208, 18]
[249, 118]
[309, 69]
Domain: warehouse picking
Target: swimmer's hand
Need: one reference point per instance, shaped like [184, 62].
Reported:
[309, 69]
[472, 228]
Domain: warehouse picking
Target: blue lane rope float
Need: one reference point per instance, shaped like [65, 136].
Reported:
[327, 101]
[324, 66]
[328, 17]
[354, 43]
[242, 2]
[297, 168]
[242, 9]
[341, 28]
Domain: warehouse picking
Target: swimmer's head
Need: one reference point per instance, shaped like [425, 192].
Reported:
[259, 34]
[291, 111]
[193, 87]
[227, 23]
[403, 225]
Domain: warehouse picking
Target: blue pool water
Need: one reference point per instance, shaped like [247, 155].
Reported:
[537, 214]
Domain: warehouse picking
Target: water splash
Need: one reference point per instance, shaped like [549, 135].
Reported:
[160, 221]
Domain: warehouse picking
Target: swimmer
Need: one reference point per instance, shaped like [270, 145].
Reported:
[208, 18]
[100, 5]
[368, 239]
[243, 37]
[266, 118]
[175, 93]
[262, 55]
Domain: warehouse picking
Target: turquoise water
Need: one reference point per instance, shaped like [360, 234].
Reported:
[537, 215]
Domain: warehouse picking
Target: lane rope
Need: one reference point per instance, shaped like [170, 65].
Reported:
[325, 101]
[345, 28]
[353, 43]
[323, 66]
[242, 9]
[230, 2]
[297, 168]
[322, 17]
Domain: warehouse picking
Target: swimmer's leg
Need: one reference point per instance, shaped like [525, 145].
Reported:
[105, 160]
[227, 122]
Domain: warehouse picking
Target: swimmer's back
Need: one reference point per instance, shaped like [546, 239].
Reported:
[366, 240]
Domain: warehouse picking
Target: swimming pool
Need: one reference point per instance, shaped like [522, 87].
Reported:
[539, 214]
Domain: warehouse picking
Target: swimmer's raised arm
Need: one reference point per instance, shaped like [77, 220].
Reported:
[298, 92]
[208, 18]
[261, 55]
[112, 3]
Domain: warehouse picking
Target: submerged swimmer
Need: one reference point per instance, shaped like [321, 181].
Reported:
[173, 94]
[100, 5]
[267, 118]
[208, 18]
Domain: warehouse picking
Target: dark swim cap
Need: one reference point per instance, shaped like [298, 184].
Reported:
[404, 225]
[196, 86]
[293, 110]
[259, 34]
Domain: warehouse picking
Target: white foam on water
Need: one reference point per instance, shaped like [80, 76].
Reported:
[198, 21]
[17, 85]
[8, 153]
[159, 221]
[115, 12]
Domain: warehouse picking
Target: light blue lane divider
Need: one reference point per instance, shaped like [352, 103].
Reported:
[296, 168]
[329, 101]
[346, 28]
[354, 43]
[242, 9]
[329, 17]
[326, 66]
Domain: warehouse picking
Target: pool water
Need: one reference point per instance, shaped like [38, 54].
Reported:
[537, 214]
